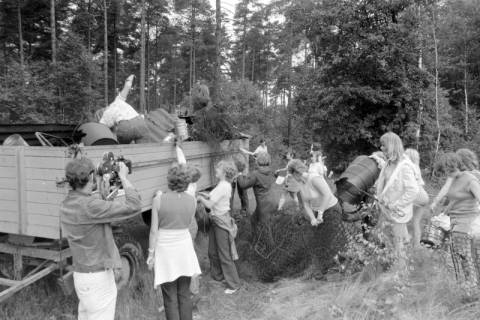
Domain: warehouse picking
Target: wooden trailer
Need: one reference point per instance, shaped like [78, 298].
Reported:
[31, 191]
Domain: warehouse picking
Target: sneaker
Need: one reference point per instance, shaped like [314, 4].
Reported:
[230, 291]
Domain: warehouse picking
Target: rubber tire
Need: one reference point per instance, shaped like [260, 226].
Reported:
[147, 217]
[132, 255]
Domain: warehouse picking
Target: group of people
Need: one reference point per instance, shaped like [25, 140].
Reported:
[400, 192]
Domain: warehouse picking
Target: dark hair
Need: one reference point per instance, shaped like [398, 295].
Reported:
[447, 163]
[178, 178]
[262, 140]
[78, 171]
[316, 146]
[296, 166]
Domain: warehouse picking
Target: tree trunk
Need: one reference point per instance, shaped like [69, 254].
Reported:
[142, 60]
[244, 48]
[465, 76]
[115, 50]
[437, 108]
[218, 35]
[147, 64]
[253, 65]
[192, 50]
[89, 40]
[105, 52]
[290, 53]
[20, 35]
[53, 32]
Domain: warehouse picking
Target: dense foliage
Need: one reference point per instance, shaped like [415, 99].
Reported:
[339, 72]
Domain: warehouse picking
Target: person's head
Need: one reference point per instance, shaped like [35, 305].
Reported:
[263, 142]
[290, 155]
[297, 168]
[225, 170]
[80, 174]
[178, 178]
[413, 155]
[468, 159]
[194, 174]
[200, 96]
[263, 159]
[239, 162]
[391, 146]
[15, 140]
[448, 164]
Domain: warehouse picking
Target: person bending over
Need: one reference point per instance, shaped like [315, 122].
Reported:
[124, 120]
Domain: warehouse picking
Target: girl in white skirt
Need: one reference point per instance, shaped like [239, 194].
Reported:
[171, 253]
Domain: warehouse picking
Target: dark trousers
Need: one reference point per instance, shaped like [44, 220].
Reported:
[222, 266]
[133, 130]
[242, 194]
[177, 299]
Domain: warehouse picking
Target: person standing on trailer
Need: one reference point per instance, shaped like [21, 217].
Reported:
[86, 223]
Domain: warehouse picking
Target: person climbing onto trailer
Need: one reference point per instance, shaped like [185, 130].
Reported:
[86, 223]
[124, 120]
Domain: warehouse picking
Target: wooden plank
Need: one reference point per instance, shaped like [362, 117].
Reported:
[8, 183]
[49, 232]
[44, 174]
[43, 220]
[9, 215]
[8, 151]
[27, 281]
[47, 209]
[48, 152]
[44, 197]
[8, 194]
[8, 227]
[21, 177]
[8, 205]
[8, 282]
[7, 161]
[45, 162]
[7, 172]
[44, 186]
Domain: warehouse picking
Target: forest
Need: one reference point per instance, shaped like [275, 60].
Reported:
[341, 72]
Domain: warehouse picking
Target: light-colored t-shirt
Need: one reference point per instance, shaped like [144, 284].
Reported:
[260, 149]
[317, 168]
[117, 111]
[220, 196]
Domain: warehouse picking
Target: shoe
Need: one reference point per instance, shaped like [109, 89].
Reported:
[230, 291]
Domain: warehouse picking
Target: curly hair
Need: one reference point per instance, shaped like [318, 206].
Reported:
[78, 171]
[296, 166]
[178, 178]
[263, 159]
[448, 163]
[239, 162]
[468, 159]
[194, 174]
[228, 169]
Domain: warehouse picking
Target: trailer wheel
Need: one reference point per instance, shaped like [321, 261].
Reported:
[147, 217]
[131, 256]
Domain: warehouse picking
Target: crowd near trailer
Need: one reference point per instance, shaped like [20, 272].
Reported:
[32, 187]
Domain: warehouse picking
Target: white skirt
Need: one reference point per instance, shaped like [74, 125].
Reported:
[174, 256]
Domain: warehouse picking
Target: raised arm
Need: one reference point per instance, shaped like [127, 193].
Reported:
[152, 239]
[126, 87]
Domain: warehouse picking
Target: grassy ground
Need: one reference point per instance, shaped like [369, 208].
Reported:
[428, 292]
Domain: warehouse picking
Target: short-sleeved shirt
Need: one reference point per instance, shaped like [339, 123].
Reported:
[260, 149]
[220, 197]
[117, 111]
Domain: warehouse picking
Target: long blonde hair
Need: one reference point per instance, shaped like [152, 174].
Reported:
[393, 146]
[413, 155]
